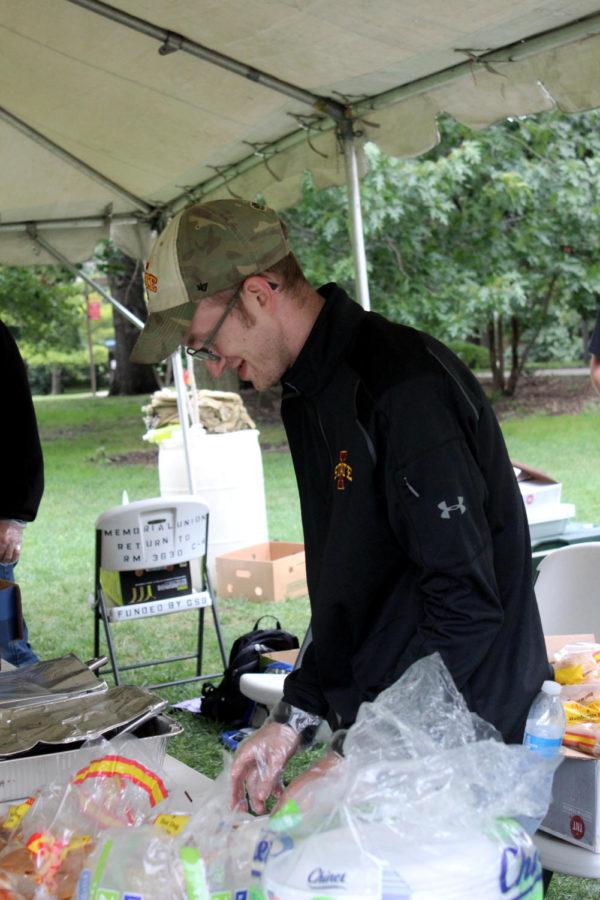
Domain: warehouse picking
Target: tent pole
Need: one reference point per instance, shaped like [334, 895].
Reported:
[356, 222]
[52, 251]
[182, 409]
[176, 359]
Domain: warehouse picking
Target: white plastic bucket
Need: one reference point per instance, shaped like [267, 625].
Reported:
[228, 476]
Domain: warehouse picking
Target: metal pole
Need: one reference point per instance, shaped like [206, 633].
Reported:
[526, 48]
[74, 161]
[175, 358]
[356, 221]
[183, 417]
[80, 274]
[172, 42]
[82, 222]
[86, 293]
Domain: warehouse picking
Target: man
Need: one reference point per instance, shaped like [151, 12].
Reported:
[415, 533]
[20, 492]
[594, 349]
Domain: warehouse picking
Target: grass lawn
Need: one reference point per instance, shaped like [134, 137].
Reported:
[81, 435]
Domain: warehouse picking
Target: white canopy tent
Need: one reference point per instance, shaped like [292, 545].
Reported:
[113, 117]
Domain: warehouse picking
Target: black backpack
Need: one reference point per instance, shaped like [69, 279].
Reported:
[225, 702]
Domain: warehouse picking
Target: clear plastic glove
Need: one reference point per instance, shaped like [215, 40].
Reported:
[11, 536]
[303, 788]
[258, 765]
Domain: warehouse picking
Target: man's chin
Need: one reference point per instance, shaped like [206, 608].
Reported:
[262, 383]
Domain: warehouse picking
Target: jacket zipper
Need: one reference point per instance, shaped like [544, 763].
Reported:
[409, 487]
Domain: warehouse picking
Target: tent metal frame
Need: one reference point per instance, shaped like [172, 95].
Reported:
[328, 114]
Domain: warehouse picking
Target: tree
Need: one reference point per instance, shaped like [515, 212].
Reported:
[491, 232]
[125, 278]
[43, 306]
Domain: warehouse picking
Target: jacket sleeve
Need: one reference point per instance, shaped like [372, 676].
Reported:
[302, 686]
[22, 461]
[436, 496]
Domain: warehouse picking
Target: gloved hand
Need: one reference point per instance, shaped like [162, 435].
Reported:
[258, 765]
[304, 786]
[11, 535]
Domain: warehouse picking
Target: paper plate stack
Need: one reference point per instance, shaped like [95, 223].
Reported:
[340, 863]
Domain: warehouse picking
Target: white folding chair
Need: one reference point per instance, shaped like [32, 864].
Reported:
[568, 590]
[151, 561]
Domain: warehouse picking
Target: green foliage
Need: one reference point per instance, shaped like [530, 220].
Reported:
[42, 305]
[473, 355]
[74, 366]
[494, 229]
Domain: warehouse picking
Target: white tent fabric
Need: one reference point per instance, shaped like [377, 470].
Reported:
[154, 131]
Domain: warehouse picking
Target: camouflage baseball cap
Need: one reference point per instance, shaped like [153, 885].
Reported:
[206, 248]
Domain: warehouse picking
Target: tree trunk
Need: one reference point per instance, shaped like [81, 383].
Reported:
[56, 384]
[126, 285]
[495, 343]
[515, 366]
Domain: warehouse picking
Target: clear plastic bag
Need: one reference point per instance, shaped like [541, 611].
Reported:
[577, 663]
[423, 804]
[113, 786]
[225, 838]
[146, 861]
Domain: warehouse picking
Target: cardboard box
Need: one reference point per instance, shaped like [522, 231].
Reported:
[537, 488]
[555, 642]
[288, 657]
[271, 571]
[546, 515]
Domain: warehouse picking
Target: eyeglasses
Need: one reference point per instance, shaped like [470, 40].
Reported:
[204, 353]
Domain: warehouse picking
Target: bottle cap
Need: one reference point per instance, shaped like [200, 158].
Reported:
[552, 688]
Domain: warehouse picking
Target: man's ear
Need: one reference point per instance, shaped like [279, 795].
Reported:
[260, 290]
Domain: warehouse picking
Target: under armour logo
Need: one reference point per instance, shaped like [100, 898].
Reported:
[446, 510]
[202, 286]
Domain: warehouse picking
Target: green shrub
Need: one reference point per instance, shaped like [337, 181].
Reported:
[473, 355]
[74, 365]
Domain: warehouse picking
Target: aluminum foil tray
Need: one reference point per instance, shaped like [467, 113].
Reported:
[23, 776]
[48, 681]
[69, 721]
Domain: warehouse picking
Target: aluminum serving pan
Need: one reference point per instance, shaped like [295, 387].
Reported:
[48, 681]
[22, 776]
[70, 721]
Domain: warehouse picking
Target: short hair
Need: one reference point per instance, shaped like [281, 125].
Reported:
[289, 271]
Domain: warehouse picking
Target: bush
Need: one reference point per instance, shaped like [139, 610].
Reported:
[473, 355]
[74, 366]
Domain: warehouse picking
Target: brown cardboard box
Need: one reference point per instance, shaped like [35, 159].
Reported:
[574, 813]
[555, 642]
[285, 656]
[270, 571]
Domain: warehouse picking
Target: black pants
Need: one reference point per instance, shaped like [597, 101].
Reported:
[546, 878]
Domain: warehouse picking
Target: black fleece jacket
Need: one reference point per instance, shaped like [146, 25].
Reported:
[415, 532]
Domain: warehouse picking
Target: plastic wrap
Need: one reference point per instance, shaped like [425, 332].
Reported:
[422, 805]
[577, 663]
[48, 844]
[225, 838]
[258, 765]
[146, 862]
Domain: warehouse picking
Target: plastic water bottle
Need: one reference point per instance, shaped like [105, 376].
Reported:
[546, 721]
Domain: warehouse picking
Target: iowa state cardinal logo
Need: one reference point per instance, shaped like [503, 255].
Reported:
[343, 471]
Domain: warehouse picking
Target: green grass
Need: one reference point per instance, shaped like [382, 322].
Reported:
[567, 448]
[81, 434]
